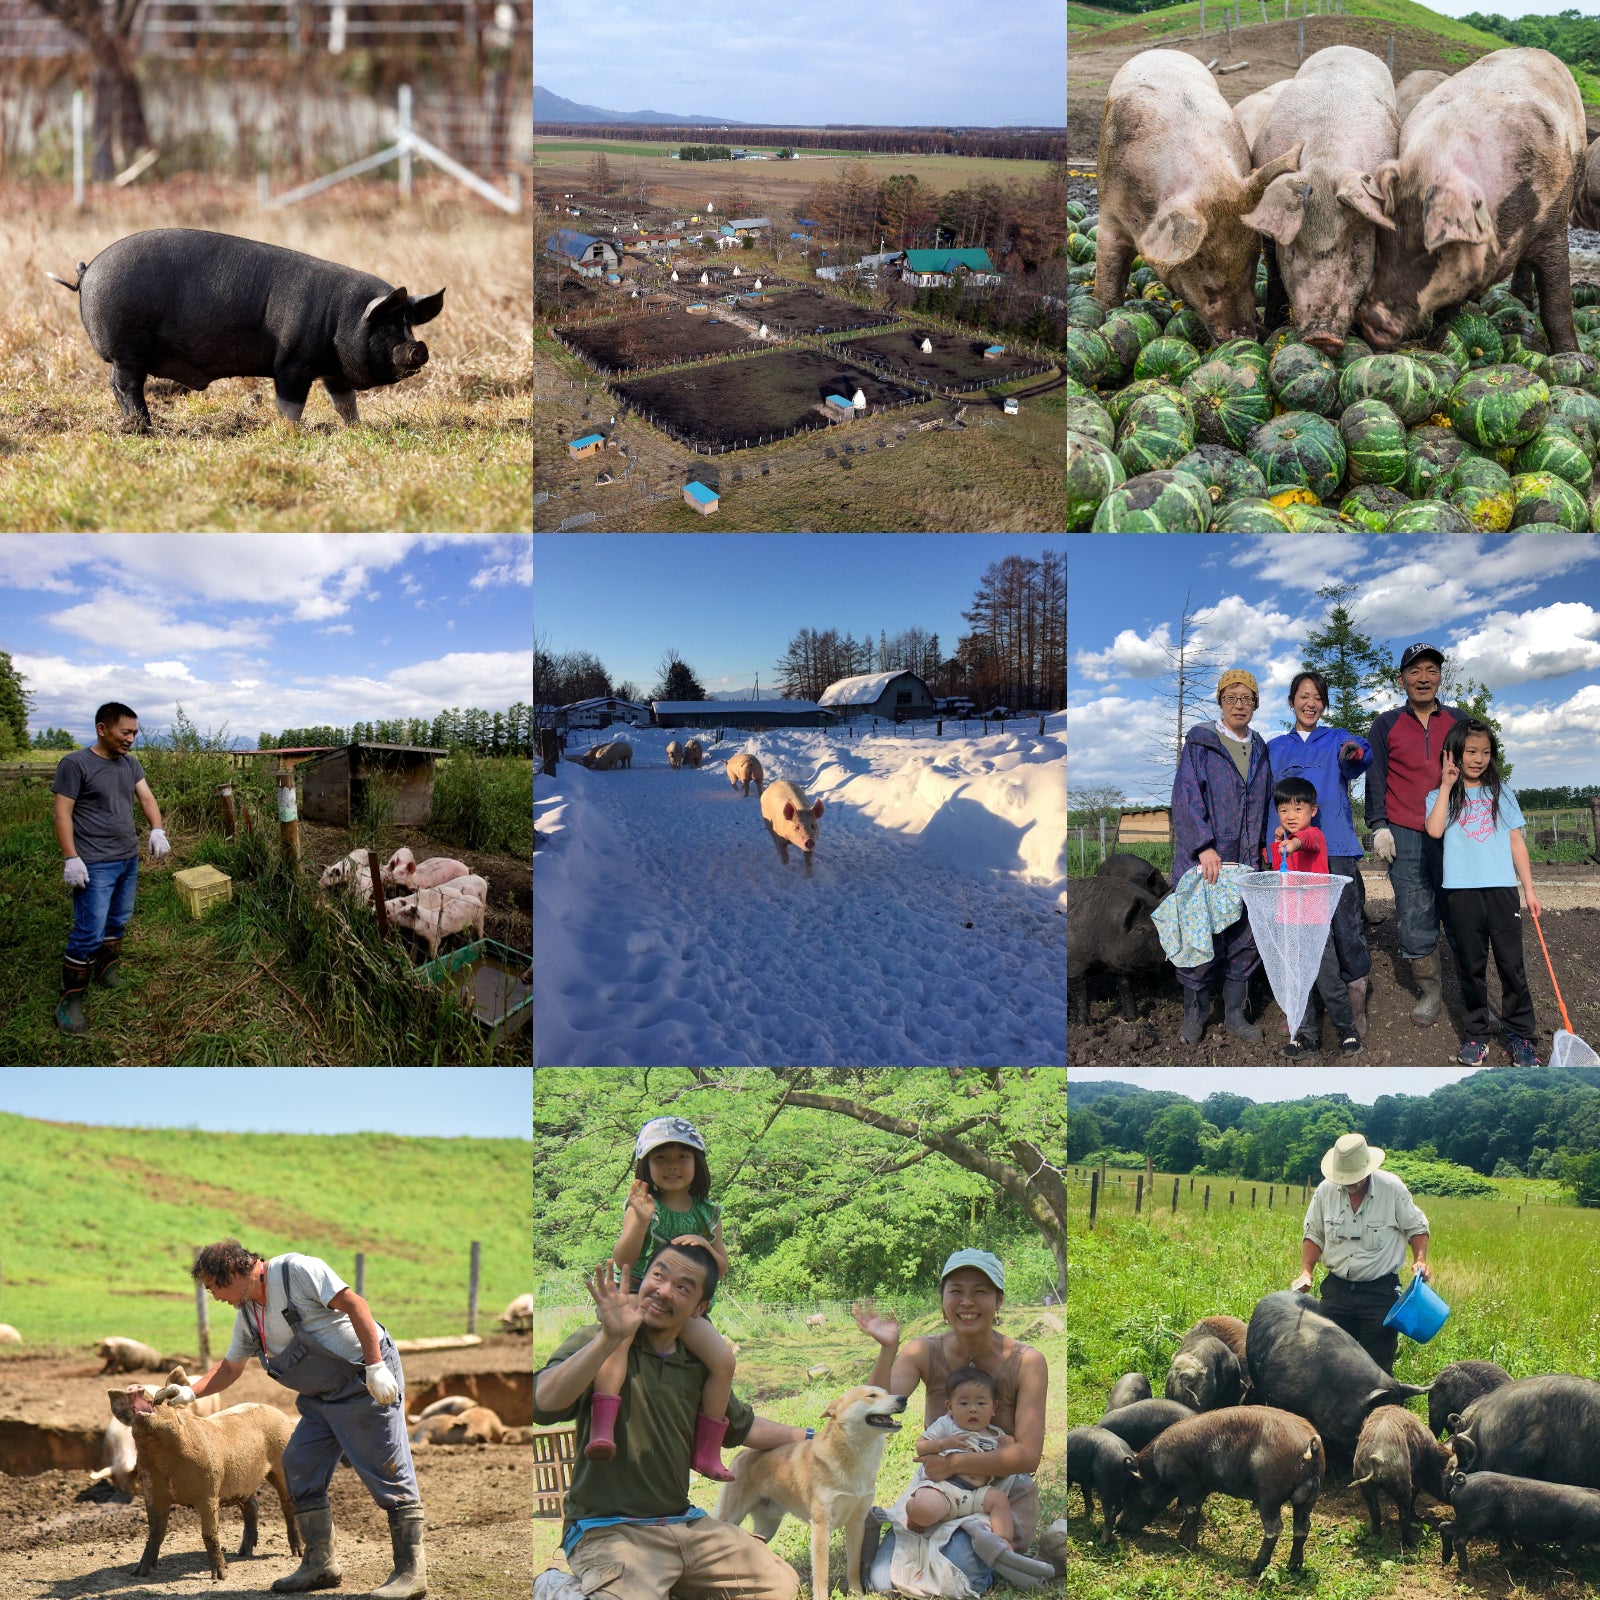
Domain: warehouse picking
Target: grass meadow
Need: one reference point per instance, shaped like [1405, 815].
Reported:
[1521, 1274]
[109, 1254]
[445, 450]
[775, 1351]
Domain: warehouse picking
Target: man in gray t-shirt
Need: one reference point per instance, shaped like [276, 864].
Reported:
[94, 792]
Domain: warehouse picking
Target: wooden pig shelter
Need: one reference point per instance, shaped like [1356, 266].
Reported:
[334, 786]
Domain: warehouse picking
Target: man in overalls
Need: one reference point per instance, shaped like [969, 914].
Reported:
[315, 1335]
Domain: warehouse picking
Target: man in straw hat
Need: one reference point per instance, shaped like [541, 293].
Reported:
[1358, 1225]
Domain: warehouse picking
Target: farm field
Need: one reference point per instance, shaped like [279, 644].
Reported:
[656, 341]
[764, 395]
[940, 860]
[956, 360]
[812, 311]
[1138, 1283]
[446, 449]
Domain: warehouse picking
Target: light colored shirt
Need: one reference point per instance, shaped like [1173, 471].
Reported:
[1477, 850]
[982, 1439]
[1369, 1243]
[312, 1284]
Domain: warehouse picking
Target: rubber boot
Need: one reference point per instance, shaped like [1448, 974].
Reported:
[319, 1567]
[1357, 990]
[409, 1579]
[105, 963]
[1426, 971]
[602, 1445]
[74, 986]
[1234, 994]
[1196, 1006]
[707, 1457]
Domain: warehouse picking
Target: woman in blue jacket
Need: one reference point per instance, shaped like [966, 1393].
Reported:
[1331, 760]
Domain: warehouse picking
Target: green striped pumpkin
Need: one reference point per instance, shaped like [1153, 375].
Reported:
[1450, 344]
[1374, 442]
[1230, 400]
[1299, 447]
[1085, 312]
[1543, 498]
[1354, 350]
[1304, 379]
[1406, 385]
[1079, 248]
[1155, 502]
[1429, 516]
[1318, 519]
[1571, 369]
[1093, 471]
[1168, 358]
[1226, 473]
[1118, 402]
[1089, 356]
[1249, 516]
[1555, 449]
[1585, 292]
[1501, 405]
[1087, 416]
[1128, 332]
[1430, 454]
[1186, 325]
[1575, 404]
[1242, 350]
[1152, 435]
[1372, 504]
[1446, 367]
[1480, 336]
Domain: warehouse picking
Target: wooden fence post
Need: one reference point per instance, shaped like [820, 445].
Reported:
[361, 1273]
[472, 1289]
[1094, 1197]
[1138, 1195]
[1175, 1197]
[1206, 1204]
[288, 820]
[202, 1323]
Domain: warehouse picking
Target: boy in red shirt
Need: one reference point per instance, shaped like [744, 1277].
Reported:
[1304, 849]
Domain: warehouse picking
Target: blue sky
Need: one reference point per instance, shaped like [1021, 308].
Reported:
[1521, 615]
[1514, 8]
[906, 62]
[730, 603]
[1262, 1085]
[440, 1102]
[265, 630]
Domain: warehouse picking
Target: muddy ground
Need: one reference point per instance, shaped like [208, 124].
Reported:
[55, 1545]
[808, 310]
[957, 360]
[638, 344]
[1393, 1040]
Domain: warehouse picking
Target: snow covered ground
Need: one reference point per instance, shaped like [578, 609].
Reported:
[932, 933]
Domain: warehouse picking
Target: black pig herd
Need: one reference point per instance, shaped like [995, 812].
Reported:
[1258, 1411]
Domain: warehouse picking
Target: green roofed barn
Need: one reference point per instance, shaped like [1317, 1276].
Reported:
[931, 269]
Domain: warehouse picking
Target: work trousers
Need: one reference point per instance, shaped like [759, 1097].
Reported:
[1484, 920]
[1349, 934]
[1417, 877]
[1359, 1308]
[1333, 993]
[700, 1560]
[104, 908]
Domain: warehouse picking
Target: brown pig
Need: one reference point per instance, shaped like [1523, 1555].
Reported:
[1483, 183]
[791, 819]
[692, 752]
[1175, 179]
[744, 769]
[1320, 221]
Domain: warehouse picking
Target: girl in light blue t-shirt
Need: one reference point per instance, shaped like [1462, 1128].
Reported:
[1485, 857]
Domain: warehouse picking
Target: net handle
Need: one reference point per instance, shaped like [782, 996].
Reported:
[1565, 1020]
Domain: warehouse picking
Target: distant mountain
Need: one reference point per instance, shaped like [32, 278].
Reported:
[548, 107]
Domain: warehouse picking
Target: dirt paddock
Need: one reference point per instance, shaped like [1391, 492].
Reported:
[956, 361]
[55, 1545]
[642, 342]
[808, 311]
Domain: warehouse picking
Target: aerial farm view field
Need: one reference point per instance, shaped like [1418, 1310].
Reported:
[832, 318]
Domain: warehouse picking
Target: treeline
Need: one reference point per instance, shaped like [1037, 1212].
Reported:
[1569, 35]
[1500, 1124]
[815, 658]
[1010, 144]
[1555, 798]
[55, 739]
[487, 733]
[706, 152]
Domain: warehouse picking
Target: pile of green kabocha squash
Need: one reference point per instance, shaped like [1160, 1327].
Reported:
[1473, 427]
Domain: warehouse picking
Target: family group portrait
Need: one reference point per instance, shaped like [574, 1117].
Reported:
[798, 1330]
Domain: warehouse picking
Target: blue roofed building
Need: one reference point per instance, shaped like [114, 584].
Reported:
[584, 253]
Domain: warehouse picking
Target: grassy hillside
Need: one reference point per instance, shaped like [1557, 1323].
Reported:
[100, 1224]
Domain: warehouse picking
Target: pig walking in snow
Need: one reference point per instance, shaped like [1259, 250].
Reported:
[193, 306]
[746, 770]
[790, 819]
[675, 754]
[692, 753]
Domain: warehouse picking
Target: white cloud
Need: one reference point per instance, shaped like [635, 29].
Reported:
[1238, 630]
[517, 570]
[1130, 655]
[1512, 647]
[125, 622]
[338, 627]
[170, 669]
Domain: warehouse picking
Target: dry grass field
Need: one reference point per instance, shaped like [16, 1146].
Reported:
[445, 450]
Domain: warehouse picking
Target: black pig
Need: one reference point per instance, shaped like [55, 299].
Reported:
[1397, 1456]
[1204, 1374]
[1098, 1461]
[1129, 868]
[1139, 1423]
[1109, 929]
[1519, 1511]
[1457, 1386]
[1255, 1453]
[1546, 1427]
[1128, 1389]
[193, 306]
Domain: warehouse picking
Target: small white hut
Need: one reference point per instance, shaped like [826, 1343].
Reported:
[859, 400]
[763, 333]
[674, 274]
[927, 347]
[704, 278]
[758, 283]
[736, 272]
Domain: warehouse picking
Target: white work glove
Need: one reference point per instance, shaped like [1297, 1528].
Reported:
[74, 874]
[381, 1385]
[158, 843]
[1383, 845]
[177, 1394]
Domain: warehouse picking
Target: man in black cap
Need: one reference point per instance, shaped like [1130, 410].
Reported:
[1406, 746]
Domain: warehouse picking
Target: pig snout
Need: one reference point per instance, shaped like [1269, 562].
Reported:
[1325, 340]
[410, 357]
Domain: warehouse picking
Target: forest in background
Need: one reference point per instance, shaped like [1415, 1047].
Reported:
[833, 1183]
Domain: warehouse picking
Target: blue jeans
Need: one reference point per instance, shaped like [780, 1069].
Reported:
[959, 1553]
[104, 909]
[1417, 877]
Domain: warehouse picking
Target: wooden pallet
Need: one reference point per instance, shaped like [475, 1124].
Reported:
[554, 1451]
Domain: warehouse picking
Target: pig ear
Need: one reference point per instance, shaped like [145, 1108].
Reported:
[1351, 191]
[1282, 209]
[816, 810]
[1256, 184]
[385, 305]
[424, 308]
[1175, 236]
[1455, 213]
[1380, 185]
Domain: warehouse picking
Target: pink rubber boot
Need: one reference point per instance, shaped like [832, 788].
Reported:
[707, 1458]
[602, 1446]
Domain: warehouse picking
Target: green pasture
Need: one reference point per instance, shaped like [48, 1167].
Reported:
[102, 1223]
[1521, 1278]
[662, 149]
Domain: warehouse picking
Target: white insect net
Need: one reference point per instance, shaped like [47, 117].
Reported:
[1290, 914]
[1569, 1050]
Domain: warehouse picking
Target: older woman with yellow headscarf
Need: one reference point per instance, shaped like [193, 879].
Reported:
[1221, 813]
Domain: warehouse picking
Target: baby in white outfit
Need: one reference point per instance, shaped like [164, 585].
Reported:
[967, 1426]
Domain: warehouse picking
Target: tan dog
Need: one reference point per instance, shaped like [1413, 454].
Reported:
[827, 1481]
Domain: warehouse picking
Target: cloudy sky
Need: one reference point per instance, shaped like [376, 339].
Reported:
[265, 631]
[905, 62]
[1264, 1085]
[1519, 614]
[1513, 8]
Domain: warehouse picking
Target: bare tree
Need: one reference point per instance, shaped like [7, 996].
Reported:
[107, 30]
[1183, 692]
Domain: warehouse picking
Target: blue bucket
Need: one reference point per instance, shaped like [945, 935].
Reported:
[1419, 1313]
